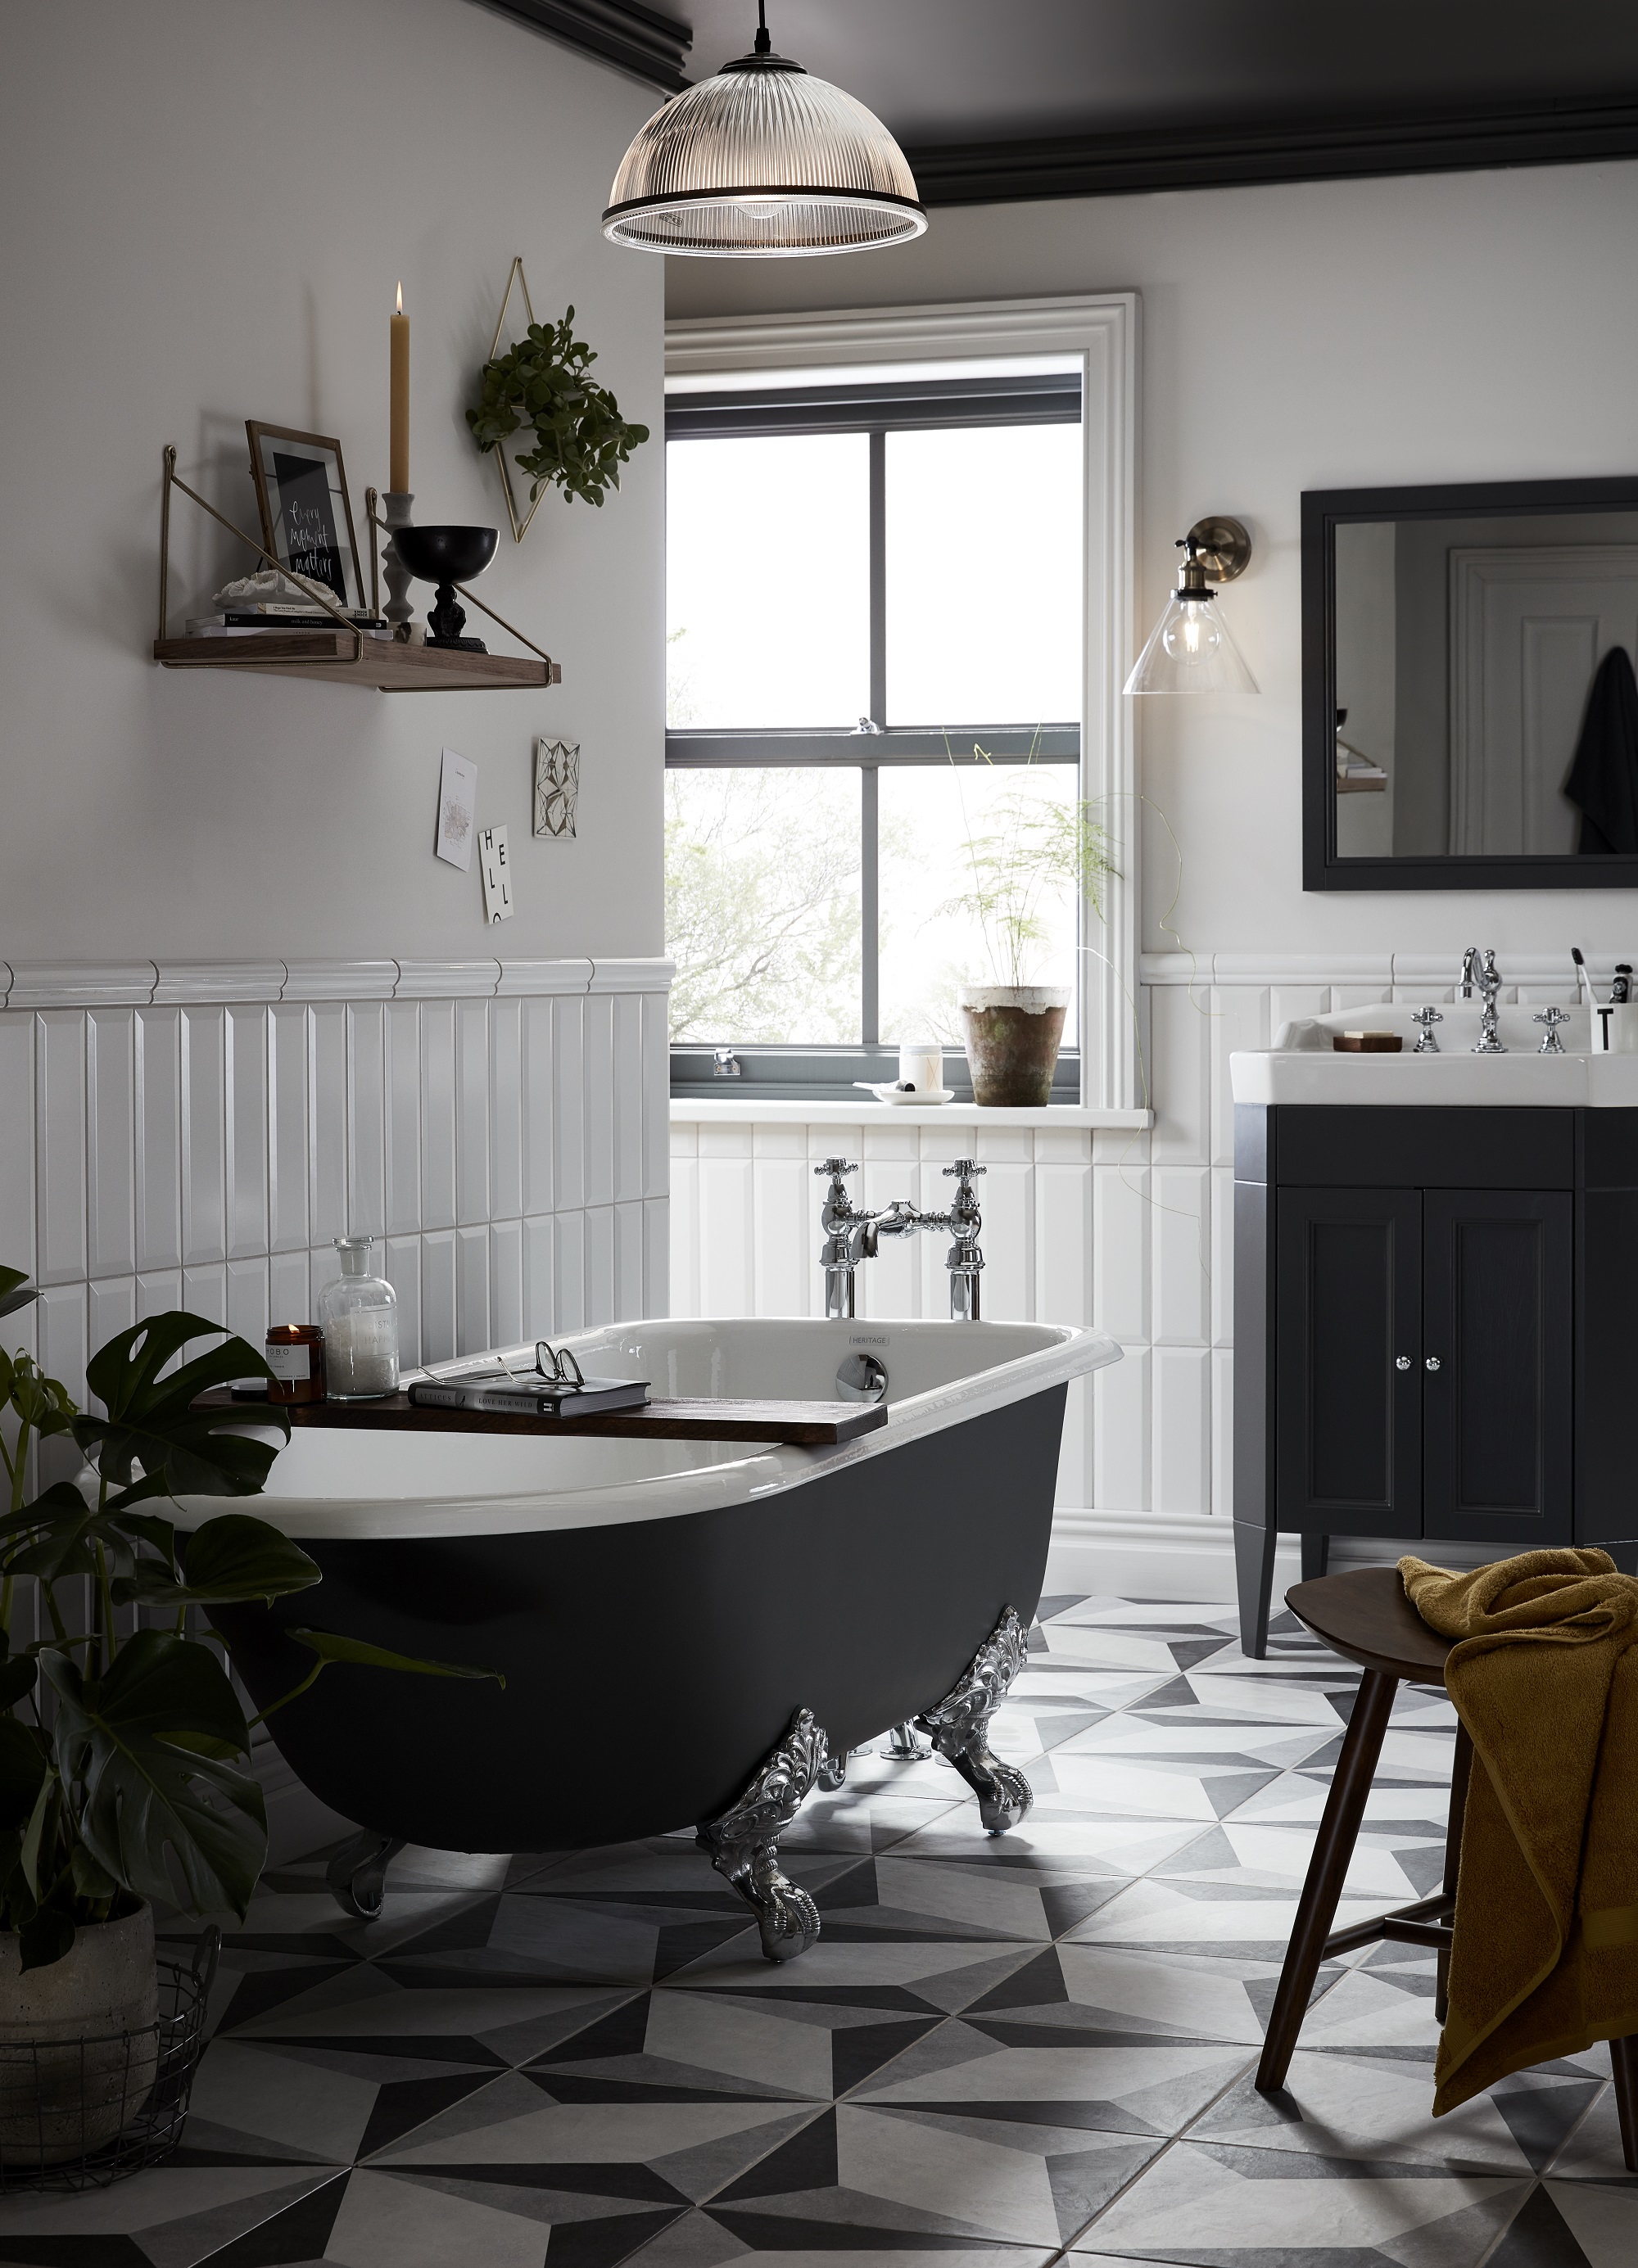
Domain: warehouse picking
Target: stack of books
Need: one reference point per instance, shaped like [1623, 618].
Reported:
[526, 1393]
[241, 622]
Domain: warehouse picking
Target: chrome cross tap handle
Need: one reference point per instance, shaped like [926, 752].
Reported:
[1427, 1017]
[849, 1237]
[964, 1260]
[1551, 1044]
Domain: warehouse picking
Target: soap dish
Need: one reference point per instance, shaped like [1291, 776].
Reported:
[1367, 1043]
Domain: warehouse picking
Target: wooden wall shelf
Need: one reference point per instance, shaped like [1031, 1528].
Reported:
[384, 665]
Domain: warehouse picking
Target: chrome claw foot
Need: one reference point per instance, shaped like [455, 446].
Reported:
[959, 1726]
[357, 1873]
[904, 1748]
[743, 1843]
[832, 1774]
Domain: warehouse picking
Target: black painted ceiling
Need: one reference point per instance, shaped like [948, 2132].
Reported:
[1047, 96]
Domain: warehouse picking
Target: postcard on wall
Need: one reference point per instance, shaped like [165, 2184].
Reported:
[497, 906]
[457, 804]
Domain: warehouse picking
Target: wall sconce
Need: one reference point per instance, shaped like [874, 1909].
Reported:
[1191, 649]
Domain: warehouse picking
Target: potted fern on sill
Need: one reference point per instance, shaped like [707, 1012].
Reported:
[1033, 854]
[123, 1749]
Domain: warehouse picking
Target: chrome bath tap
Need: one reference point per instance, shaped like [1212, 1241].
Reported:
[851, 1235]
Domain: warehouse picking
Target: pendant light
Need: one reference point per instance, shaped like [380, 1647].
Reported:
[1191, 649]
[763, 162]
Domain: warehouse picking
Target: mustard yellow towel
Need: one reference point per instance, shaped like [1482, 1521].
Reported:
[1545, 1676]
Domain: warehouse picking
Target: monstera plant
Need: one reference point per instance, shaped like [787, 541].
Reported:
[124, 1745]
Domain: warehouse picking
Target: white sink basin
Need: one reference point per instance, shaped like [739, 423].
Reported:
[1302, 1066]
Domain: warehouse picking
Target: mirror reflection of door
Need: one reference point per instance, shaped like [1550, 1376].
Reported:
[1464, 651]
[1529, 626]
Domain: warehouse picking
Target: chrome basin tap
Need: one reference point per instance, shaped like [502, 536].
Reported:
[1489, 984]
[851, 1235]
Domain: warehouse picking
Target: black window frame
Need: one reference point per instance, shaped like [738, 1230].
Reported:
[768, 1072]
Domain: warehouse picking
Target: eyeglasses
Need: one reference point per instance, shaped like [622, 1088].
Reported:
[559, 1364]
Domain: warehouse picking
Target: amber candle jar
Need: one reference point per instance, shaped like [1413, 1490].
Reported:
[295, 1355]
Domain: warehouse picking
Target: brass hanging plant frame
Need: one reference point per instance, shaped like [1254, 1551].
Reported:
[519, 528]
[540, 386]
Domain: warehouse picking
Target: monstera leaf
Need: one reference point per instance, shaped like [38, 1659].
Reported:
[143, 1794]
[329, 1646]
[231, 1557]
[16, 1291]
[181, 1451]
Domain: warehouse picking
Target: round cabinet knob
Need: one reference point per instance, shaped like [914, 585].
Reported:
[1433, 1362]
[1401, 1362]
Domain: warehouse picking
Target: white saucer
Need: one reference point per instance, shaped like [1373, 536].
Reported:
[917, 1100]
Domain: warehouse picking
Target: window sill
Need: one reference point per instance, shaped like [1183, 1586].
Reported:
[736, 1111]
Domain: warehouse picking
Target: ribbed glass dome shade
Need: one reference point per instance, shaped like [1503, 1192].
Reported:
[763, 162]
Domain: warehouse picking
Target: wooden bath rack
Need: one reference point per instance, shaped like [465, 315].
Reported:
[807, 1425]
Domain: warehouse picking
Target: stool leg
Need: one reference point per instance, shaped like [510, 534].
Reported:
[1624, 2064]
[1461, 1772]
[1327, 1869]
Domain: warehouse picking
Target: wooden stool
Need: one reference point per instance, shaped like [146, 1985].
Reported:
[1366, 1617]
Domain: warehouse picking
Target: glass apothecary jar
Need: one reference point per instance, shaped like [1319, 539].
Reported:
[359, 1315]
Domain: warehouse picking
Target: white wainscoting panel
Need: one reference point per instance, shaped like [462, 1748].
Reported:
[1133, 1231]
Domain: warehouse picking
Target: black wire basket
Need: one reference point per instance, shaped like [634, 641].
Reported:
[80, 2114]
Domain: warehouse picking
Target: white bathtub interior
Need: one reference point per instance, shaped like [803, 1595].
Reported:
[341, 1482]
[782, 1359]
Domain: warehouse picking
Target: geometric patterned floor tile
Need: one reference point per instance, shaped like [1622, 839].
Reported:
[1211, 2203]
[999, 2047]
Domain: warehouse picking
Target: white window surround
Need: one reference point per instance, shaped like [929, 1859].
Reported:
[1099, 334]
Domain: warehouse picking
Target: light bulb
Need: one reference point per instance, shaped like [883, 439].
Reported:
[1192, 632]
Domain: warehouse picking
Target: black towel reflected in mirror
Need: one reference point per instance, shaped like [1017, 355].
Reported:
[1603, 771]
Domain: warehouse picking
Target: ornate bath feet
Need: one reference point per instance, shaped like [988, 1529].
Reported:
[959, 1726]
[743, 1843]
[357, 1873]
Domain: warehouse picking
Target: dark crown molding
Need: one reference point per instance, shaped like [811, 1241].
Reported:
[1211, 157]
[633, 39]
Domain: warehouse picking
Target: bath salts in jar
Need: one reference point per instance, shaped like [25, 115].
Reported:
[359, 1315]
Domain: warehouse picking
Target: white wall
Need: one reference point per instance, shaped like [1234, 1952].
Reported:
[1450, 327]
[208, 206]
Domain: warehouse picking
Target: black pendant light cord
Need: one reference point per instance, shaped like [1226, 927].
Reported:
[762, 45]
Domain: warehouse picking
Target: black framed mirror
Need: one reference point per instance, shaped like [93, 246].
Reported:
[1470, 714]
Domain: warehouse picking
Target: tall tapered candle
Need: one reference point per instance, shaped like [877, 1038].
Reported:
[398, 446]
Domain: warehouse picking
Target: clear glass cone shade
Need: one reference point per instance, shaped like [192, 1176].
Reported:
[763, 163]
[1190, 650]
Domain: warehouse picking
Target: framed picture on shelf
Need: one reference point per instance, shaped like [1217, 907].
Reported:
[307, 517]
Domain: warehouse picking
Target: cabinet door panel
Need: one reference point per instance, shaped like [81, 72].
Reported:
[1497, 1414]
[1348, 1306]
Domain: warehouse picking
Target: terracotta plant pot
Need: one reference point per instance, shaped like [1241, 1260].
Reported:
[1013, 1034]
[59, 2097]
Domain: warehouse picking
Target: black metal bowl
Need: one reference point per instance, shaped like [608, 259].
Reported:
[446, 555]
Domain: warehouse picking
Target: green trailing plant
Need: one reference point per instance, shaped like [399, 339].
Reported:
[121, 1770]
[541, 385]
[1034, 852]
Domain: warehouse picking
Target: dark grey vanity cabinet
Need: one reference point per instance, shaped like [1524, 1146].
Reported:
[1426, 1304]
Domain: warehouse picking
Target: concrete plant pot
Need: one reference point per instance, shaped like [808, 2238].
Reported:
[1013, 1037]
[78, 2052]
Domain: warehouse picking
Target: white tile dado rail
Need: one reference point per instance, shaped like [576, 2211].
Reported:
[180, 1136]
[1128, 1229]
